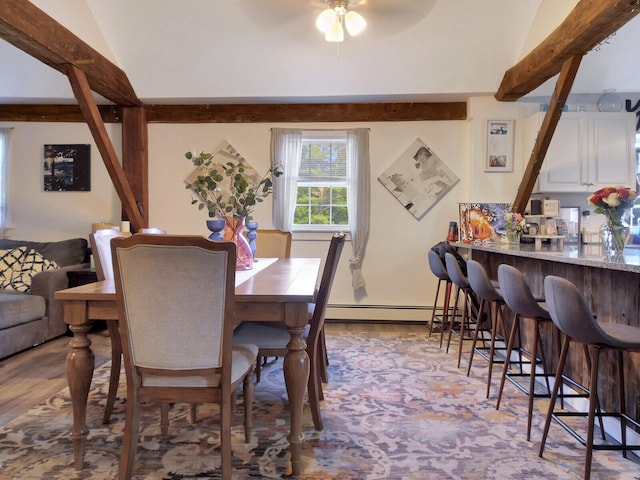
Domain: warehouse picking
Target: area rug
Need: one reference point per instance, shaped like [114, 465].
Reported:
[396, 407]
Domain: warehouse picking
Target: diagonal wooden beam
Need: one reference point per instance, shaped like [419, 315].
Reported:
[89, 109]
[548, 127]
[30, 29]
[587, 25]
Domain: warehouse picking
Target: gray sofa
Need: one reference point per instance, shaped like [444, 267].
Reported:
[31, 318]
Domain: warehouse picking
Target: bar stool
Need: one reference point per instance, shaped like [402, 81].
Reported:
[573, 317]
[440, 271]
[469, 303]
[490, 299]
[518, 297]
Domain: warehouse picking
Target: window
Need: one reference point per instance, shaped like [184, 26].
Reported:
[325, 186]
[322, 183]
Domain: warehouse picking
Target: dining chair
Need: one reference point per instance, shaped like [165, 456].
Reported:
[176, 302]
[573, 317]
[273, 244]
[272, 340]
[100, 242]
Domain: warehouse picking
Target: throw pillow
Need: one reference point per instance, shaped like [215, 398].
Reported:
[10, 260]
[32, 264]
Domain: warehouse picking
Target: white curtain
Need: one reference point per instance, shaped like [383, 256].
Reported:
[286, 151]
[359, 201]
[5, 146]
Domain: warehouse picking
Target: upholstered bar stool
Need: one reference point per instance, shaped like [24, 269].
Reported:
[518, 297]
[573, 317]
[440, 271]
[469, 303]
[491, 300]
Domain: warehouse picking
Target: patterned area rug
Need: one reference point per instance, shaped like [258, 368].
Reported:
[396, 407]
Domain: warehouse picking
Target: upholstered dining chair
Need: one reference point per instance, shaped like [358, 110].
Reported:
[272, 340]
[273, 244]
[176, 302]
[100, 242]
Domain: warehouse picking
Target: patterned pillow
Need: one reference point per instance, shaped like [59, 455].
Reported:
[32, 264]
[10, 260]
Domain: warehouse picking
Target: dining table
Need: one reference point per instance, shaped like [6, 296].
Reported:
[274, 290]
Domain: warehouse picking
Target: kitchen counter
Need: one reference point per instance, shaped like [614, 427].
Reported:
[585, 255]
[611, 289]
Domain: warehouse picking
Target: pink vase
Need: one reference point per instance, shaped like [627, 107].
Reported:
[235, 233]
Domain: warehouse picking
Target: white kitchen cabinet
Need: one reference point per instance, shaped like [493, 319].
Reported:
[588, 151]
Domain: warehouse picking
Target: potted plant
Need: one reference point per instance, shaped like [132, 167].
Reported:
[229, 191]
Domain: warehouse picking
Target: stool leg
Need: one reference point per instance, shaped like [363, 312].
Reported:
[532, 379]
[593, 387]
[435, 307]
[554, 393]
[497, 319]
[475, 333]
[465, 324]
[446, 318]
[452, 319]
[514, 331]
[623, 402]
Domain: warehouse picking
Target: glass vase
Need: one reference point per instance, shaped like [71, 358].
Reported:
[614, 235]
[235, 233]
[513, 238]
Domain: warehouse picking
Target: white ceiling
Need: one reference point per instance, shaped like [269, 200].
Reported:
[240, 51]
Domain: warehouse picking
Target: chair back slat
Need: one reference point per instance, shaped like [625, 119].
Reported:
[326, 282]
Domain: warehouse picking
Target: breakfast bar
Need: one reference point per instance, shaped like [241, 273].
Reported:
[610, 286]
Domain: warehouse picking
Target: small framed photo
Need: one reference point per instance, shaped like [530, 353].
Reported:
[500, 135]
[551, 227]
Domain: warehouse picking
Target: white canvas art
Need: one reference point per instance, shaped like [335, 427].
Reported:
[418, 179]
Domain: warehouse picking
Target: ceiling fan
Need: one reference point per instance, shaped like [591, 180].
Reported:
[383, 17]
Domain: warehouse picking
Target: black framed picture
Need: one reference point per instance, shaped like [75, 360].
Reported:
[67, 168]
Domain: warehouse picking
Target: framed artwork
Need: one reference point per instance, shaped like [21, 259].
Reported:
[483, 221]
[500, 146]
[67, 168]
[418, 179]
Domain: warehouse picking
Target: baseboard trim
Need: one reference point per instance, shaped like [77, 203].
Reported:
[387, 313]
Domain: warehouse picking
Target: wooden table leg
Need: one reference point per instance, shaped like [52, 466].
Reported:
[79, 367]
[296, 375]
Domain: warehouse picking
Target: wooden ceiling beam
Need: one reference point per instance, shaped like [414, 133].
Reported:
[257, 113]
[586, 26]
[33, 31]
[306, 112]
[82, 91]
[548, 127]
[55, 113]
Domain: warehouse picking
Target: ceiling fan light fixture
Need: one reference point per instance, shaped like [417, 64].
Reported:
[336, 32]
[325, 20]
[332, 21]
[355, 23]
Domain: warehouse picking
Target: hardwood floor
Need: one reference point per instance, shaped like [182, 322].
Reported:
[30, 377]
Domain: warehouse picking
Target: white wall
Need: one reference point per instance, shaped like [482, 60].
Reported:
[395, 266]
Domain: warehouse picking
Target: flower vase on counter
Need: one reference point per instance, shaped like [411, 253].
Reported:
[513, 238]
[614, 236]
[613, 202]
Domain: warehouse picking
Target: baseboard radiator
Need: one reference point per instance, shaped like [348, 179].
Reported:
[388, 313]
